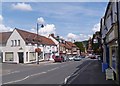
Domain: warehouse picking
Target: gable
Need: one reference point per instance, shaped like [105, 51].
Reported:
[54, 40]
[15, 36]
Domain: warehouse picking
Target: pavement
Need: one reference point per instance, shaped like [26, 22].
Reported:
[90, 74]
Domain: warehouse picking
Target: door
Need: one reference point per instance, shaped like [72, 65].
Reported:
[20, 55]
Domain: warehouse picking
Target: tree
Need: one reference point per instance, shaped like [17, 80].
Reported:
[80, 46]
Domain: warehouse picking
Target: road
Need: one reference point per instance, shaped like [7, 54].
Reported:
[48, 73]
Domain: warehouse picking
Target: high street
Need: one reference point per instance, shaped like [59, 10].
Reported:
[47, 73]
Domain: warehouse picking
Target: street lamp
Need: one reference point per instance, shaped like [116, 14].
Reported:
[38, 51]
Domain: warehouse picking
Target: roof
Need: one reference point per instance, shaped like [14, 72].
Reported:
[68, 46]
[4, 37]
[29, 37]
[71, 44]
[63, 45]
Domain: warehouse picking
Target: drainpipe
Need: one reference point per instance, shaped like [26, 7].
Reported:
[118, 23]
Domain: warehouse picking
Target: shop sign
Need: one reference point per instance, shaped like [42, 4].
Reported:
[111, 36]
[109, 74]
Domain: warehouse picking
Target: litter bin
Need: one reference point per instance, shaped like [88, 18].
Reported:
[104, 66]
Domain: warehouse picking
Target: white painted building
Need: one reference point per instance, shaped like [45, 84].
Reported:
[51, 36]
[65, 48]
[20, 47]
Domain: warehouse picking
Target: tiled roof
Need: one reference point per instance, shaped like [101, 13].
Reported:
[4, 37]
[68, 46]
[32, 38]
[63, 45]
[71, 44]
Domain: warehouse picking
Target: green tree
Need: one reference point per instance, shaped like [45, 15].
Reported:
[80, 46]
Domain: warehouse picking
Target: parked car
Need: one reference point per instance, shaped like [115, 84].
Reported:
[93, 57]
[98, 57]
[82, 56]
[58, 59]
[64, 58]
[71, 58]
[77, 58]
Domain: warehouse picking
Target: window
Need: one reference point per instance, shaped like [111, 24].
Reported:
[12, 42]
[18, 42]
[32, 56]
[26, 56]
[8, 56]
[15, 42]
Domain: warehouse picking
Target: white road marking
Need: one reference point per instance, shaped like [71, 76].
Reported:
[81, 70]
[11, 72]
[65, 81]
[24, 78]
[38, 74]
[64, 65]
[29, 76]
[53, 69]
[16, 80]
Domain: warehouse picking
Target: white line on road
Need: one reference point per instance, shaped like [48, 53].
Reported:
[81, 70]
[16, 80]
[30, 76]
[11, 72]
[64, 65]
[38, 74]
[66, 79]
[24, 78]
[53, 69]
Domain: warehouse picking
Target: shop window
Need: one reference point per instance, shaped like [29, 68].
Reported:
[32, 56]
[114, 57]
[8, 56]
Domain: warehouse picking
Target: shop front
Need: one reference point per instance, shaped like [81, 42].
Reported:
[111, 39]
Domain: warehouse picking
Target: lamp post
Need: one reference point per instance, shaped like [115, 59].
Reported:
[37, 41]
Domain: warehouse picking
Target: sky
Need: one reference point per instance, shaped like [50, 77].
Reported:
[70, 20]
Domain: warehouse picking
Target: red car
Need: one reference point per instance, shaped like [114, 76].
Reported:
[58, 59]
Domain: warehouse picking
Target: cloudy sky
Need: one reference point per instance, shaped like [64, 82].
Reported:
[70, 20]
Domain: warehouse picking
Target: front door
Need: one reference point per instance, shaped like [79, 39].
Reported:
[20, 55]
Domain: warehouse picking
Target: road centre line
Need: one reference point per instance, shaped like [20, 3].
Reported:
[31, 76]
[53, 69]
[11, 73]
[16, 80]
[24, 78]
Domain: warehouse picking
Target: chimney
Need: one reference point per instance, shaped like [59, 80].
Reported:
[52, 34]
[58, 37]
